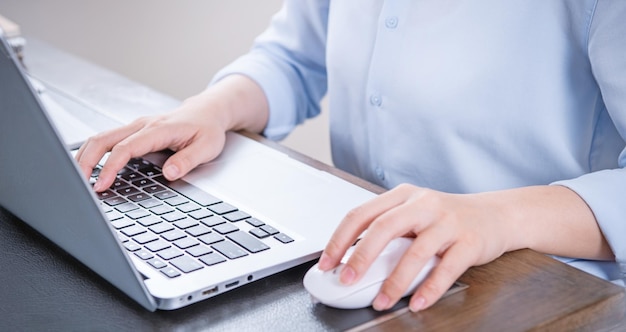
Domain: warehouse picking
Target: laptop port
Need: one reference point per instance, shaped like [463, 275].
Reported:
[209, 291]
[232, 284]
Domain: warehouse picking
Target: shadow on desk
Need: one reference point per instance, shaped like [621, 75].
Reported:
[42, 287]
[45, 288]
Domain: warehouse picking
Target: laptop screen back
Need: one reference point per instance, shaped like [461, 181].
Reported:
[42, 185]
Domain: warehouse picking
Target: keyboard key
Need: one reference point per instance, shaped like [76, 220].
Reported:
[123, 238]
[125, 207]
[114, 215]
[138, 197]
[186, 242]
[105, 207]
[113, 201]
[222, 208]
[186, 264]
[211, 238]
[200, 214]
[132, 176]
[150, 203]
[269, 229]
[95, 172]
[157, 245]
[157, 263]
[144, 254]
[164, 194]
[131, 246]
[282, 237]
[169, 253]
[185, 223]
[154, 188]
[121, 223]
[198, 230]
[149, 221]
[170, 272]
[255, 222]
[136, 214]
[176, 200]
[150, 170]
[105, 194]
[127, 191]
[173, 216]
[161, 209]
[212, 259]
[236, 216]
[247, 242]
[229, 249]
[133, 230]
[200, 250]
[119, 184]
[225, 228]
[188, 207]
[142, 182]
[136, 163]
[261, 234]
[145, 238]
[173, 235]
[212, 221]
[161, 228]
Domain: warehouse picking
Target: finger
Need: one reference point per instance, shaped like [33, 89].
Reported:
[456, 260]
[92, 151]
[355, 223]
[426, 245]
[404, 219]
[197, 152]
[144, 140]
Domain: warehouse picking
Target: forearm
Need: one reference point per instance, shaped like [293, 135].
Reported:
[552, 220]
[236, 102]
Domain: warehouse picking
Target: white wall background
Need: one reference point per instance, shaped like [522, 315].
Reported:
[172, 46]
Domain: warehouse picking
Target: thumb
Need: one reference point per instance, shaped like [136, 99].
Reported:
[186, 159]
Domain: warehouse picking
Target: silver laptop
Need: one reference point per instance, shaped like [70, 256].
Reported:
[248, 214]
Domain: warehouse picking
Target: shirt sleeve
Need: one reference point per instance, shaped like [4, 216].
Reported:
[605, 191]
[288, 63]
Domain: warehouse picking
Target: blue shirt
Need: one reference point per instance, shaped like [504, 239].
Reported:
[460, 96]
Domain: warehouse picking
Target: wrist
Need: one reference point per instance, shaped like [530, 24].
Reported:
[235, 103]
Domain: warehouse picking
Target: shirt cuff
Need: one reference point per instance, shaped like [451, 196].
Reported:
[604, 193]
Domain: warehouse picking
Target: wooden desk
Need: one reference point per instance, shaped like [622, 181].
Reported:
[520, 291]
[43, 288]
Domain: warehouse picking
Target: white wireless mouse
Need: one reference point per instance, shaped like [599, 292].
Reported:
[326, 288]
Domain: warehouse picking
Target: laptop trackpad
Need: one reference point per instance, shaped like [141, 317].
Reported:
[270, 184]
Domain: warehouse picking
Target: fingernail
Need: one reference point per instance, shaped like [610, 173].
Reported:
[347, 275]
[98, 186]
[417, 304]
[381, 302]
[324, 262]
[171, 172]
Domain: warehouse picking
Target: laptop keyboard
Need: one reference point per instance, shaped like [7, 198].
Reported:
[176, 228]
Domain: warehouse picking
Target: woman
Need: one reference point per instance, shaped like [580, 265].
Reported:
[497, 125]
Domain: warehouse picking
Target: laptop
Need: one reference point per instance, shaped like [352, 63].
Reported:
[248, 214]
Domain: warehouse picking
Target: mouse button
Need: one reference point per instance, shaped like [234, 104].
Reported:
[348, 254]
[358, 299]
[397, 246]
[419, 278]
[323, 285]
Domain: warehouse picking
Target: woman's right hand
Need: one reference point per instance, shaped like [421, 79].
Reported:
[196, 131]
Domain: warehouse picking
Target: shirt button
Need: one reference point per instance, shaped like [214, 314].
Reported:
[391, 22]
[379, 173]
[376, 100]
